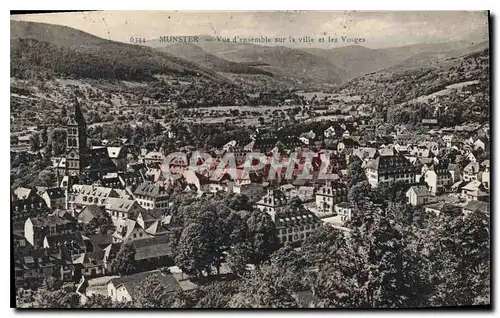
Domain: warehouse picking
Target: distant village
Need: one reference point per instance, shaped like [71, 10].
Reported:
[444, 168]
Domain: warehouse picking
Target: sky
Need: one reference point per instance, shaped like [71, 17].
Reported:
[378, 28]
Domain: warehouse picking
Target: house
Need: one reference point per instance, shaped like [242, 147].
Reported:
[252, 190]
[37, 228]
[152, 196]
[293, 223]
[26, 203]
[153, 222]
[305, 193]
[365, 153]
[80, 195]
[128, 230]
[343, 212]
[439, 207]
[274, 201]
[330, 132]
[118, 156]
[418, 195]
[289, 190]
[437, 178]
[123, 208]
[474, 190]
[154, 158]
[126, 288]
[485, 178]
[329, 195]
[391, 167]
[471, 171]
[154, 252]
[76, 240]
[455, 172]
[482, 144]
[25, 193]
[89, 264]
[33, 266]
[89, 212]
[220, 181]
[54, 198]
[347, 143]
[476, 206]
[110, 252]
[451, 140]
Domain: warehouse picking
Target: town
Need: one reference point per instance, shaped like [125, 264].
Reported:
[106, 201]
[187, 190]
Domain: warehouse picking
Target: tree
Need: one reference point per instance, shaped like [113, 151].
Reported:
[194, 253]
[293, 264]
[217, 294]
[457, 248]
[358, 192]
[46, 178]
[60, 298]
[125, 263]
[371, 266]
[355, 173]
[261, 236]
[264, 288]
[34, 143]
[239, 256]
[98, 301]
[153, 293]
[51, 283]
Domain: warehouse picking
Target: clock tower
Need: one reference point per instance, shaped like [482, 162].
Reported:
[76, 141]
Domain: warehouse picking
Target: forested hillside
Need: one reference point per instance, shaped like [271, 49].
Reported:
[459, 87]
[34, 50]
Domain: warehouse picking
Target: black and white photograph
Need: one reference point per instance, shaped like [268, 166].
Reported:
[250, 160]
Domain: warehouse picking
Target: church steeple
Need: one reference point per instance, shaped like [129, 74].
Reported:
[76, 141]
[76, 117]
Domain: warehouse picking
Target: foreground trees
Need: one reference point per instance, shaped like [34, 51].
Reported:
[125, 263]
[387, 260]
[221, 232]
[387, 263]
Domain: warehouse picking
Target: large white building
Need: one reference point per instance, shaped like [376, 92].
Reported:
[437, 179]
[294, 223]
[329, 195]
[390, 166]
[152, 196]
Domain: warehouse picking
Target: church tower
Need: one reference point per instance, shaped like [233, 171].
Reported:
[76, 141]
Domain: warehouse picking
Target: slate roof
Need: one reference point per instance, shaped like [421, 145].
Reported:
[153, 247]
[132, 282]
[101, 239]
[472, 167]
[479, 206]
[23, 193]
[420, 190]
[74, 238]
[273, 198]
[472, 186]
[49, 220]
[55, 193]
[150, 189]
[119, 204]
[89, 212]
